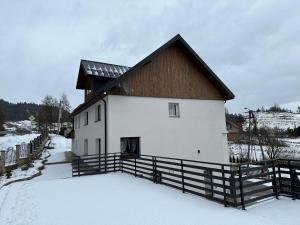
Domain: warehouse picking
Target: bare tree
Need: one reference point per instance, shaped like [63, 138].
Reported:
[65, 107]
[272, 142]
[48, 111]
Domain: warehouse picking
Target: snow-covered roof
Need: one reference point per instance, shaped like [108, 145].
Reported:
[103, 69]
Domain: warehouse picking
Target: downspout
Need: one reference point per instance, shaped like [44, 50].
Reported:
[105, 134]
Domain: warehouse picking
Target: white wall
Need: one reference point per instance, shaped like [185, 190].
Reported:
[92, 131]
[201, 126]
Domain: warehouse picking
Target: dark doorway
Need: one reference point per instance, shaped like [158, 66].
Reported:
[130, 146]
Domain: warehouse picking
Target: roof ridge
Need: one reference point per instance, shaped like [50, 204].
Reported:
[103, 63]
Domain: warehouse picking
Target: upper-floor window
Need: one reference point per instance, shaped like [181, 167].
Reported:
[173, 109]
[86, 118]
[98, 113]
[78, 122]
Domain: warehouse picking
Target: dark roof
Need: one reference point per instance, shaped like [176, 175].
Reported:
[178, 40]
[118, 77]
[101, 69]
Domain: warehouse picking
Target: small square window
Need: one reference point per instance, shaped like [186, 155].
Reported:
[173, 109]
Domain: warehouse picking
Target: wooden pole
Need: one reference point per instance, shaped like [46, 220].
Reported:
[241, 188]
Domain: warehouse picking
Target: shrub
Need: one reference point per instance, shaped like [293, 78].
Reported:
[8, 174]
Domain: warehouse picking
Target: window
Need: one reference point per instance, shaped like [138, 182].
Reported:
[173, 109]
[98, 113]
[86, 147]
[75, 123]
[86, 118]
[130, 146]
[98, 146]
[78, 122]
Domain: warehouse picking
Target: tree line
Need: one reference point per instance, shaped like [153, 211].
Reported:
[48, 112]
[277, 109]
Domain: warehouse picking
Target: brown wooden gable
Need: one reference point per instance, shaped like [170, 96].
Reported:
[172, 74]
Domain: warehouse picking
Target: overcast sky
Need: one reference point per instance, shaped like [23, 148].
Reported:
[253, 46]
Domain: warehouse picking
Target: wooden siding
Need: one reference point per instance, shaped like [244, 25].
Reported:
[170, 74]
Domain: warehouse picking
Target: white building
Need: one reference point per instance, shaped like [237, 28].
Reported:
[169, 104]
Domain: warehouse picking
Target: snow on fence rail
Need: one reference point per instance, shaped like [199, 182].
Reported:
[236, 185]
[24, 150]
[10, 156]
[11, 153]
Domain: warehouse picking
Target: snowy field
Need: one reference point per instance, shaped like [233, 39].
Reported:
[291, 151]
[279, 120]
[11, 140]
[115, 199]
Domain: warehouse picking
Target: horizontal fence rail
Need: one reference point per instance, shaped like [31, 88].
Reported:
[236, 185]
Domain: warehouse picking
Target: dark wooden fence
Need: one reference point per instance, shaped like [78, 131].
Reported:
[289, 172]
[236, 185]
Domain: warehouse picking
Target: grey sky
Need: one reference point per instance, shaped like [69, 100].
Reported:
[253, 46]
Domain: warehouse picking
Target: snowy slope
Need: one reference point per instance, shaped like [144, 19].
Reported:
[62, 148]
[280, 120]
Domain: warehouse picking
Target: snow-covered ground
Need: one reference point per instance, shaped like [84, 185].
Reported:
[18, 173]
[279, 120]
[291, 151]
[62, 147]
[115, 199]
[56, 198]
[23, 124]
[11, 140]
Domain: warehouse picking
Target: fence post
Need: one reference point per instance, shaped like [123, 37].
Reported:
[210, 172]
[182, 176]
[279, 176]
[224, 187]
[34, 144]
[78, 165]
[18, 153]
[292, 180]
[114, 162]
[153, 169]
[274, 180]
[241, 188]
[135, 166]
[31, 147]
[2, 162]
[121, 163]
[233, 185]
[105, 169]
[99, 162]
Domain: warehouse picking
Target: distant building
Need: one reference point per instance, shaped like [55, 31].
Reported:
[234, 129]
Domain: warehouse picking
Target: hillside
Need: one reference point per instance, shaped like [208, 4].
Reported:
[18, 111]
[282, 120]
